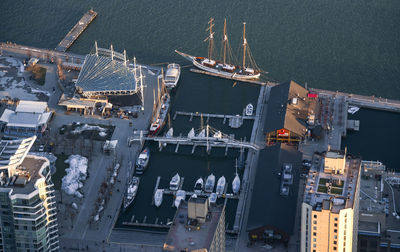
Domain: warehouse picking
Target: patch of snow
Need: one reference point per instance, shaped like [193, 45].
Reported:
[102, 134]
[76, 174]
[2, 73]
[84, 127]
[150, 72]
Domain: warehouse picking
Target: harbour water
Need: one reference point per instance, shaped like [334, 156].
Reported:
[350, 46]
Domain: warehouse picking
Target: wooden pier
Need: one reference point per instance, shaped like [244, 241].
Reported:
[268, 83]
[77, 30]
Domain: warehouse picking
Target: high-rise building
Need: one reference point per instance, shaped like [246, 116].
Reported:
[197, 226]
[28, 220]
[329, 218]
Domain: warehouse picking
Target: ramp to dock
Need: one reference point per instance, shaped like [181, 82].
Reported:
[77, 30]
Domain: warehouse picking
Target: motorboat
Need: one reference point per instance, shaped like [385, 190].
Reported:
[180, 195]
[353, 109]
[221, 185]
[236, 184]
[174, 183]
[143, 161]
[172, 75]
[158, 197]
[198, 187]
[212, 198]
[131, 191]
[210, 182]
[249, 110]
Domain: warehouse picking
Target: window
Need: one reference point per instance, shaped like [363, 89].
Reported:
[314, 245]
[315, 222]
[334, 248]
[335, 230]
[335, 224]
[336, 219]
[315, 216]
[335, 237]
[314, 239]
[315, 228]
[335, 242]
[314, 233]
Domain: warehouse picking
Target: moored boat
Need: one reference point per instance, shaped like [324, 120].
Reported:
[158, 197]
[223, 68]
[236, 184]
[198, 187]
[210, 182]
[191, 133]
[221, 185]
[174, 183]
[249, 110]
[143, 161]
[172, 75]
[160, 110]
[180, 195]
[131, 191]
[213, 198]
[353, 109]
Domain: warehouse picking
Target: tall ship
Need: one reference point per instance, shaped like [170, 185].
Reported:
[223, 67]
[131, 191]
[162, 104]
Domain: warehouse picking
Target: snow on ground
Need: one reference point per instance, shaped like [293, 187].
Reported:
[102, 134]
[13, 84]
[84, 127]
[76, 174]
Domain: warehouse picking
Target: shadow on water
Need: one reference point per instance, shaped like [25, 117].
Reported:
[377, 139]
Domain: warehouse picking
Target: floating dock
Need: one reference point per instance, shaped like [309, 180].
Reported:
[235, 121]
[268, 83]
[77, 30]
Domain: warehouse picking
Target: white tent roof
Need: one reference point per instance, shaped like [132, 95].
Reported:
[31, 107]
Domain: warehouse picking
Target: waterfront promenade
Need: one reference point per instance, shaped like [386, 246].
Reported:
[363, 101]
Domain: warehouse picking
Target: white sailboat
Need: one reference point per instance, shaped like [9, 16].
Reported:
[170, 133]
[191, 133]
[210, 182]
[198, 187]
[202, 133]
[172, 75]
[174, 183]
[180, 195]
[236, 182]
[221, 185]
[158, 197]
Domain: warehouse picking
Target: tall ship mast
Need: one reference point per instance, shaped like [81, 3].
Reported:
[222, 68]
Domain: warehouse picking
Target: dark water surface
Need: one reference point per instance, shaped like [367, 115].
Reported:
[352, 46]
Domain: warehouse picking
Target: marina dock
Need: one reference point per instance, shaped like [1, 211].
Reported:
[77, 30]
[235, 121]
[268, 83]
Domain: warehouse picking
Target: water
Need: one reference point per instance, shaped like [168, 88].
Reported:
[350, 46]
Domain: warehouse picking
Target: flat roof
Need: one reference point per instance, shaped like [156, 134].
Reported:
[343, 186]
[102, 73]
[31, 167]
[179, 237]
[31, 106]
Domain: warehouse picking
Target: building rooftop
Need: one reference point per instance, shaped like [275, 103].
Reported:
[28, 174]
[331, 191]
[31, 107]
[186, 235]
[102, 73]
[376, 201]
[13, 152]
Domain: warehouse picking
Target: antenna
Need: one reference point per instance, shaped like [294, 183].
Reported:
[141, 86]
[112, 52]
[95, 45]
